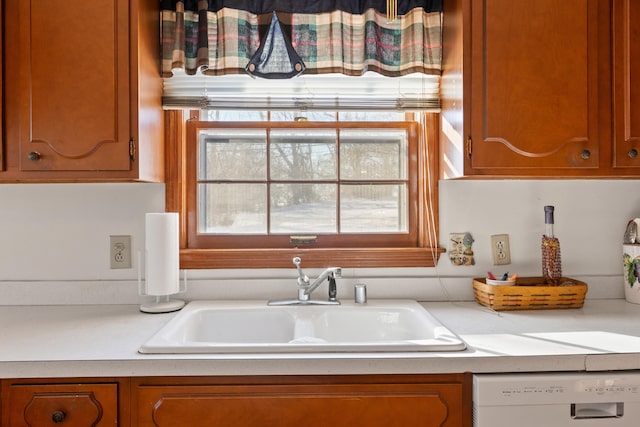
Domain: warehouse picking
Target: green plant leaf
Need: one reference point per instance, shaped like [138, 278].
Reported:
[631, 266]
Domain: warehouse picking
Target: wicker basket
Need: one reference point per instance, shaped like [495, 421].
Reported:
[530, 293]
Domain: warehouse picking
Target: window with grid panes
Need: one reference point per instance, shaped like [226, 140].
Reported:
[350, 188]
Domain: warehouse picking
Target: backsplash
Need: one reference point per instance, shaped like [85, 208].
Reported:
[56, 242]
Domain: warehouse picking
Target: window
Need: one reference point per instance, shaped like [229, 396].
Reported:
[335, 189]
[306, 184]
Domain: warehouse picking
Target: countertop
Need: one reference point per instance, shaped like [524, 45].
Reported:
[103, 341]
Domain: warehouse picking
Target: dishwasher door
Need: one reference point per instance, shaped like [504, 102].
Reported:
[602, 399]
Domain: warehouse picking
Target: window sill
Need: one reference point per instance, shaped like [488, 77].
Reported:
[315, 258]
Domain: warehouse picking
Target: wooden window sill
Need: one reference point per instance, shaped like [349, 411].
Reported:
[314, 258]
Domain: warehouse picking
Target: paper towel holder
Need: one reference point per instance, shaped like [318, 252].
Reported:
[161, 303]
[161, 263]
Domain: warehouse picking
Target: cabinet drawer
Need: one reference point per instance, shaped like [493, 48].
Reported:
[62, 405]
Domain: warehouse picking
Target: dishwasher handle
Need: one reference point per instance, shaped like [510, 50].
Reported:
[582, 411]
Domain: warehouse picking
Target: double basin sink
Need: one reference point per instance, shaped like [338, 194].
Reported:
[254, 327]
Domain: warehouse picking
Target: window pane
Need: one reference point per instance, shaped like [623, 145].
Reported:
[233, 154]
[303, 154]
[232, 208]
[303, 208]
[373, 209]
[373, 154]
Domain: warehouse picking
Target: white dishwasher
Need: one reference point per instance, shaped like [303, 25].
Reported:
[599, 399]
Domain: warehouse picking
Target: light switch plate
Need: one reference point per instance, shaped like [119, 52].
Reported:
[460, 249]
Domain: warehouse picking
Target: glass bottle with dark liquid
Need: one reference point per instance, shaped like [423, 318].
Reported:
[551, 264]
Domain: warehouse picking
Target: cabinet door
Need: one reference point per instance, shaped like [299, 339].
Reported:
[62, 404]
[535, 86]
[2, 165]
[74, 85]
[626, 89]
[317, 405]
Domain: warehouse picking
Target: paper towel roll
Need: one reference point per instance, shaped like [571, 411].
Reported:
[162, 254]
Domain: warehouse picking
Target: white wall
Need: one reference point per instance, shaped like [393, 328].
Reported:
[590, 220]
[61, 231]
[55, 241]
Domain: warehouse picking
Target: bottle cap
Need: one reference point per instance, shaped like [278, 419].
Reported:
[548, 214]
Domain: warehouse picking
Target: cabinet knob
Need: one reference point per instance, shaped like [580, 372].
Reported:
[34, 156]
[58, 417]
[585, 154]
[633, 153]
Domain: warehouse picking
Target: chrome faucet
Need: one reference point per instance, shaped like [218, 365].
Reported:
[306, 287]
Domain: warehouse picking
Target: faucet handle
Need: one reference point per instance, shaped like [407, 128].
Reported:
[303, 279]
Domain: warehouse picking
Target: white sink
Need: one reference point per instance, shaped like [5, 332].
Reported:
[254, 327]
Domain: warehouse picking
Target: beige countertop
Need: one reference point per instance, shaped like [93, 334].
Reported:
[103, 340]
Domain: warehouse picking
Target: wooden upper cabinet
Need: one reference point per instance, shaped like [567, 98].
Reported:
[74, 89]
[1, 93]
[537, 86]
[626, 87]
[86, 100]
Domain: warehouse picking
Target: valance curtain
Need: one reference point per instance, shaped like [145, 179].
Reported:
[340, 36]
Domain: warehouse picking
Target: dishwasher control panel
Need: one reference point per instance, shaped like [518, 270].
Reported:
[581, 387]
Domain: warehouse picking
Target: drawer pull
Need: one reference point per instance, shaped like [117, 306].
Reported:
[58, 417]
[34, 156]
[633, 153]
[585, 154]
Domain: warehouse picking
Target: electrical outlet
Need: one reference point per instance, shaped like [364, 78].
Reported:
[120, 251]
[500, 249]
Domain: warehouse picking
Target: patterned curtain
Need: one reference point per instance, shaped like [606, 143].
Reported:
[330, 36]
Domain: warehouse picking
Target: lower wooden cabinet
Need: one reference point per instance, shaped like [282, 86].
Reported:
[71, 405]
[336, 401]
[239, 401]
